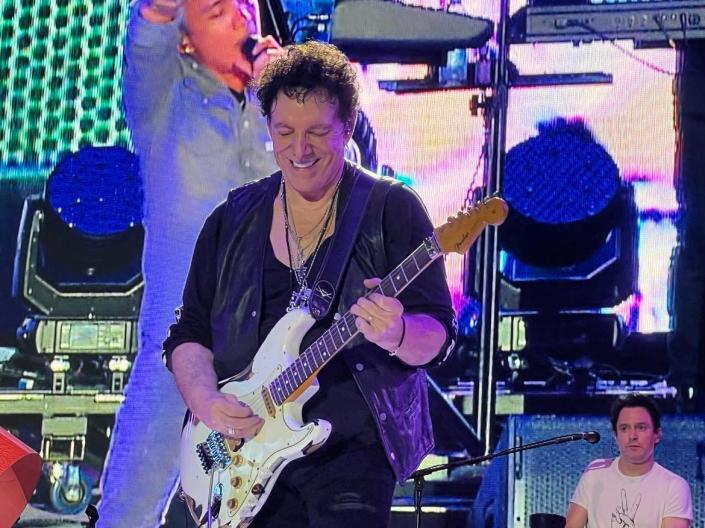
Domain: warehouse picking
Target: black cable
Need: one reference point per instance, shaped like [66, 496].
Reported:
[629, 373]
[275, 22]
[473, 179]
[295, 29]
[631, 55]
[657, 21]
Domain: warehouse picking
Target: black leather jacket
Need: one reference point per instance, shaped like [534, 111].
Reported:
[396, 393]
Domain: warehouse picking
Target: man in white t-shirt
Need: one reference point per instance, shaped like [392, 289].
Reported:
[632, 490]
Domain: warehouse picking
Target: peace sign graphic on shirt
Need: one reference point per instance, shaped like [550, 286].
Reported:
[623, 516]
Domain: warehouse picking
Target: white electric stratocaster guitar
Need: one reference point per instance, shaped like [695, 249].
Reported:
[228, 481]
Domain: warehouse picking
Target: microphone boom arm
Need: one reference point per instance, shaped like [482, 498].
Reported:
[591, 436]
[418, 476]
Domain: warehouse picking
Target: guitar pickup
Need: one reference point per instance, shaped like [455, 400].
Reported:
[268, 403]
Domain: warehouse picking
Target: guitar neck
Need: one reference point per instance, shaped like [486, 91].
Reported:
[311, 360]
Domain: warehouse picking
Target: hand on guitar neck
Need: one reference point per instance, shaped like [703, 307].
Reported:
[414, 338]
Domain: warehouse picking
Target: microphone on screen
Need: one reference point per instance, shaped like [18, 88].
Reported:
[248, 48]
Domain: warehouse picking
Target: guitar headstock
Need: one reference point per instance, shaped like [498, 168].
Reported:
[459, 233]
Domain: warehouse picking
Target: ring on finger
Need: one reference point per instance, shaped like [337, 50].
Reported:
[231, 431]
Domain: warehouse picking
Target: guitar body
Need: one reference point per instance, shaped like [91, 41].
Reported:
[239, 489]
[235, 478]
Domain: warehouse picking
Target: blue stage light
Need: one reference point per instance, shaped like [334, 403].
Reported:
[97, 191]
[561, 175]
[568, 242]
[80, 245]
[562, 188]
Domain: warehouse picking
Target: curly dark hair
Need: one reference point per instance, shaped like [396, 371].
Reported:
[306, 68]
[635, 400]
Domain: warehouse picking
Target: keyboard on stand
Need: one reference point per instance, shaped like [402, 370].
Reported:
[646, 22]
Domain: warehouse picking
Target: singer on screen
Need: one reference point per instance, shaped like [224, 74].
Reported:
[198, 133]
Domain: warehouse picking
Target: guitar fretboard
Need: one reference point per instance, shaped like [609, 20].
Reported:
[344, 330]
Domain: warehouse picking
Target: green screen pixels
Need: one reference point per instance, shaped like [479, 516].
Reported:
[60, 65]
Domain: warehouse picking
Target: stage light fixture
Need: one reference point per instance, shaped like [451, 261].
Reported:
[569, 241]
[78, 272]
[79, 245]
[568, 252]
[78, 267]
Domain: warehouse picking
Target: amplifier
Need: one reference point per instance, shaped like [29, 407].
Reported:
[543, 480]
[640, 21]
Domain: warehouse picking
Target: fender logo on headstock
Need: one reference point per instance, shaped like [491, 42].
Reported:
[459, 233]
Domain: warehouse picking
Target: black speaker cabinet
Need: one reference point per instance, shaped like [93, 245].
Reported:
[542, 480]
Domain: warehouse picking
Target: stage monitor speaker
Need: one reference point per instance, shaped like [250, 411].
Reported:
[543, 480]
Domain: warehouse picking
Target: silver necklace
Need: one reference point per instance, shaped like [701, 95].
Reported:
[300, 296]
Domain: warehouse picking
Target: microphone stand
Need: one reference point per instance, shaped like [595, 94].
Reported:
[418, 476]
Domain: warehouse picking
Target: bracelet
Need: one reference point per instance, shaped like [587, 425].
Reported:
[393, 352]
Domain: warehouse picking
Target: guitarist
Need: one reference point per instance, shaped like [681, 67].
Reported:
[259, 252]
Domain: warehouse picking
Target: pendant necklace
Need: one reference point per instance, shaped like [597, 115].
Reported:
[299, 269]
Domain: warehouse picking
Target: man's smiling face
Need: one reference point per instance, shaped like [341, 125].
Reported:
[309, 140]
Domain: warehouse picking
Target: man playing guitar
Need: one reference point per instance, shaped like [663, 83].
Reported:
[256, 260]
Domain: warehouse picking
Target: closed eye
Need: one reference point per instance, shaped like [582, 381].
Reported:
[215, 9]
[319, 132]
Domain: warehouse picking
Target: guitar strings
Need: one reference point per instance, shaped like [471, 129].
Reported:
[259, 406]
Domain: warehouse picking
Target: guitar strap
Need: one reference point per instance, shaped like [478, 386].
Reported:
[340, 249]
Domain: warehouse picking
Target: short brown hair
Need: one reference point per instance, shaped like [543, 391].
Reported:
[635, 400]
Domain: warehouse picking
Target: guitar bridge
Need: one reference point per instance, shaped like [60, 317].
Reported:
[213, 453]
